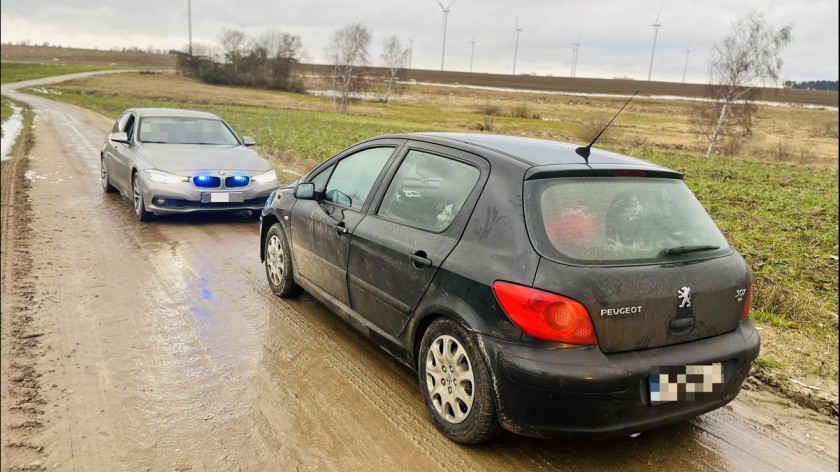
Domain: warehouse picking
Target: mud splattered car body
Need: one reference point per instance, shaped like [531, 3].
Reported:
[531, 290]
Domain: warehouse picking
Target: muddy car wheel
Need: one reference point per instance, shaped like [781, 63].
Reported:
[455, 384]
[106, 180]
[137, 194]
[278, 263]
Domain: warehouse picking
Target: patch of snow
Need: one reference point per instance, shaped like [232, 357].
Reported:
[46, 91]
[31, 176]
[11, 130]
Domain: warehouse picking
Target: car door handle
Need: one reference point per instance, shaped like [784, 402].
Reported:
[340, 229]
[419, 260]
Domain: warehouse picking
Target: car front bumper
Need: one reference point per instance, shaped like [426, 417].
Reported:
[585, 394]
[184, 197]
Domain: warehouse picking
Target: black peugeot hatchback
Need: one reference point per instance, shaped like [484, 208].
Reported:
[532, 289]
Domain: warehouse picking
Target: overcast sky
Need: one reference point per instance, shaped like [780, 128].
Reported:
[616, 37]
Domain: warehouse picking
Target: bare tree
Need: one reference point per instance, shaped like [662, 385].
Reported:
[274, 55]
[348, 54]
[233, 46]
[394, 56]
[748, 57]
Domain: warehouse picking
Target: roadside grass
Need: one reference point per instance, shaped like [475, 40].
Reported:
[19, 71]
[5, 110]
[781, 216]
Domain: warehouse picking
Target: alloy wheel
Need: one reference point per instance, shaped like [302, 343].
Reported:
[275, 259]
[449, 379]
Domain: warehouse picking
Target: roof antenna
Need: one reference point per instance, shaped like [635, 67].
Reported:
[583, 151]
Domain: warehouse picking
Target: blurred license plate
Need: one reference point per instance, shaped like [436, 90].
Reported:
[221, 197]
[686, 383]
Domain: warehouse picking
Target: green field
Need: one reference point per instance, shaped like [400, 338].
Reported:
[781, 216]
[18, 71]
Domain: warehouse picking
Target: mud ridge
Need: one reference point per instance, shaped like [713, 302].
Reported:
[23, 398]
[760, 379]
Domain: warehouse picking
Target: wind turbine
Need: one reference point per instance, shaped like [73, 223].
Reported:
[445, 16]
[575, 47]
[472, 52]
[687, 52]
[655, 26]
[516, 45]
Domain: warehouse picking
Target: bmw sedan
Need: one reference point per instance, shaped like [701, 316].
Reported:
[530, 288]
[181, 161]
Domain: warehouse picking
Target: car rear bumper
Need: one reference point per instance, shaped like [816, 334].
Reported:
[583, 393]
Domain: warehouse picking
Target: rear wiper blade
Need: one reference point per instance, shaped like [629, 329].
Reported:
[676, 251]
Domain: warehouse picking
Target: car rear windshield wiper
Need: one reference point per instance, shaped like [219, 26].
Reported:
[676, 251]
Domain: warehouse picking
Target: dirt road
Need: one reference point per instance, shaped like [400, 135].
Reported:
[130, 346]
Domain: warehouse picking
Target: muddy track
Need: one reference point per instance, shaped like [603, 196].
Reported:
[131, 346]
[24, 406]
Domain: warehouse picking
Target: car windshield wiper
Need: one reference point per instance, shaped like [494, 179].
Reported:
[676, 251]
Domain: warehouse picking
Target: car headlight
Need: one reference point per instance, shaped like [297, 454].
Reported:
[265, 177]
[165, 177]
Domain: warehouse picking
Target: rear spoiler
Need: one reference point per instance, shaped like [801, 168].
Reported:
[602, 170]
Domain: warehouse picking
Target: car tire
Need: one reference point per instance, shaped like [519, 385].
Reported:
[106, 180]
[278, 263]
[455, 384]
[137, 199]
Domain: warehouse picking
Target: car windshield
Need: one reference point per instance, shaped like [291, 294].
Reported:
[619, 220]
[184, 130]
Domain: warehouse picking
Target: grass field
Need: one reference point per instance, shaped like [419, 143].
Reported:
[19, 71]
[776, 201]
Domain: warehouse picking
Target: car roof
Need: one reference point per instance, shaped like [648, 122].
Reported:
[173, 112]
[531, 151]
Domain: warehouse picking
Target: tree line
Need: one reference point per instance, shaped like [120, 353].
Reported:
[267, 61]
[270, 60]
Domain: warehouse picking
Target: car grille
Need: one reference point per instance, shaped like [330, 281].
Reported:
[207, 181]
[237, 181]
[210, 181]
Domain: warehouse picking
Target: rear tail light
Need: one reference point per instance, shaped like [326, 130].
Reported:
[545, 315]
[745, 311]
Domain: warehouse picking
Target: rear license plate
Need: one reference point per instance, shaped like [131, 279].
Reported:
[221, 197]
[686, 383]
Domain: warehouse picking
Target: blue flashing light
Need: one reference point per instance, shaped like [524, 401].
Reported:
[206, 181]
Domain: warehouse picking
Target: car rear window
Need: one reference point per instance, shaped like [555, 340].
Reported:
[619, 220]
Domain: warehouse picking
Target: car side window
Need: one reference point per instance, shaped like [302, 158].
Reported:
[354, 176]
[320, 180]
[128, 127]
[119, 125]
[428, 191]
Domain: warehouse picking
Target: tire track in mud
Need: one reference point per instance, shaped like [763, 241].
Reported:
[23, 403]
[723, 430]
[352, 363]
[417, 430]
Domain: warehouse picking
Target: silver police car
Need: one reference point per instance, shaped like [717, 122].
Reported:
[180, 161]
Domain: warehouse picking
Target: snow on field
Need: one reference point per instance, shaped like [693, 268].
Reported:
[11, 130]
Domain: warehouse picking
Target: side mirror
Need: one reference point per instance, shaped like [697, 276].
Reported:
[305, 191]
[248, 141]
[120, 137]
